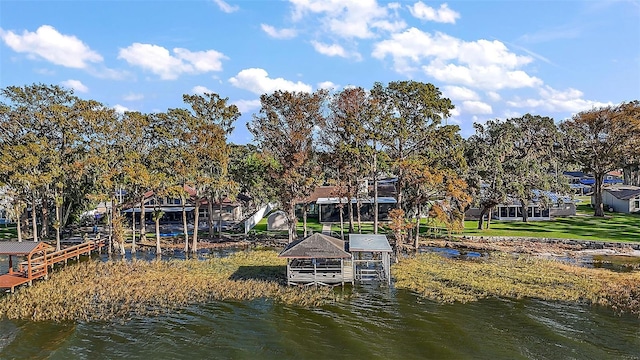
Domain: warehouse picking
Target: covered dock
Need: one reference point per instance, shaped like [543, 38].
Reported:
[39, 257]
[27, 271]
[318, 260]
[371, 257]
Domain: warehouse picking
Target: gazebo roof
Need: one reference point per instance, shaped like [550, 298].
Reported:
[317, 246]
[21, 248]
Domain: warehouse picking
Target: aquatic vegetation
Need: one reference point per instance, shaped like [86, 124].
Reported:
[504, 275]
[96, 290]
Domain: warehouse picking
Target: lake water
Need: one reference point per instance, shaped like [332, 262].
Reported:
[376, 322]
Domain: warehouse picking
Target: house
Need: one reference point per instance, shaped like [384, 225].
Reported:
[172, 207]
[621, 198]
[318, 260]
[544, 206]
[582, 183]
[324, 203]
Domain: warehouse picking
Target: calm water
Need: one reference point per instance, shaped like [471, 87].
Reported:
[375, 323]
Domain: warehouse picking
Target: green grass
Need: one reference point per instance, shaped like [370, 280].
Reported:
[584, 226]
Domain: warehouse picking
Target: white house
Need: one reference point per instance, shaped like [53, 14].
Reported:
[621, 198]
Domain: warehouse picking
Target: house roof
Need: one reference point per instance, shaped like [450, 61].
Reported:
[21, 248]
[385, 190]
[317, 246]
[369, 242]
[624, 192]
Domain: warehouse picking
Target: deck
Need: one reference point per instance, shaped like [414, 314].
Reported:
[38, 267]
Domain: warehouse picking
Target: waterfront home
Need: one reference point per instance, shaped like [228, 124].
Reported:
[544, 206]
[621, 198]
[324, 203]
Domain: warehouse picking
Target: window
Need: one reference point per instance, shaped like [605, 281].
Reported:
[503, 212]
[637, 204]
[530, 211]
[512, 212]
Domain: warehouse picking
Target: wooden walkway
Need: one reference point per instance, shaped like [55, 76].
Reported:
[38, 267]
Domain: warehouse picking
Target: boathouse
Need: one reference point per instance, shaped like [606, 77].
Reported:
[371, 257]
[318, 260]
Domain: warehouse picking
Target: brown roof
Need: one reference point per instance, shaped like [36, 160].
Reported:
[384, 190]
[317, 246]
[21, 248]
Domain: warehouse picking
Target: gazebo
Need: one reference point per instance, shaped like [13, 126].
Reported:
[372, 257]
[28, 270]
[318, 260]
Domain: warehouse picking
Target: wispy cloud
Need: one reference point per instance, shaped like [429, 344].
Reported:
[225, 7]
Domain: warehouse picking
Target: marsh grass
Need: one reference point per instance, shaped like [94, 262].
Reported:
[96, 290]
[502, 275]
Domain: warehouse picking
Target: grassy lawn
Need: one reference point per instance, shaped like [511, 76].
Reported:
[615, 227]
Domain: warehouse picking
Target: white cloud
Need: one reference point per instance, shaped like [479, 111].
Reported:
[329, 50]
[442, 15]
[133, 97]
[278, 34]
[488, 65]
[49, 44]
[225, 7]
[476, 107]
[510, 114]
[247, 106]
[76, 85]
[494, 96]
[159, 61]
[121, 109]
[328, 85]
[258, 81]
[553, 100]
[349, 18]
[459, 93]
[200, 90]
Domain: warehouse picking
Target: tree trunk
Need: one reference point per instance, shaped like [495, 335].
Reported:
[597, 194]
[143, 220]
[185, 227]
[359, 212]
[34, 224]
[44, 231]
[375, 190]
[626, 175]
[291, 219]
[19, 227]
[489, 218]
[524, 205]
[133, 231]
[196, 215]
[58, 227]
[158, 248]
[341, 221]
[416, 243]
[110, 225]
[481, 218]
[220, 222]
[304, 220]
[210, 216]
[350, 208]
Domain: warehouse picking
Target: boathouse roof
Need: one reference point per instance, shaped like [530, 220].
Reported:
[21, 248]
[316, 246]
[369, 243]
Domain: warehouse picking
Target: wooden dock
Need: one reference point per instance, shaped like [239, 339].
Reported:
[39, 261]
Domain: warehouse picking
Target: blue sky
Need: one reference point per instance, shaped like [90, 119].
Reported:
[493, 59]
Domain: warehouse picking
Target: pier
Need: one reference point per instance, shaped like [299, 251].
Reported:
[39, 260]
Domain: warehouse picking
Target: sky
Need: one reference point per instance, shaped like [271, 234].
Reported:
[494, 59]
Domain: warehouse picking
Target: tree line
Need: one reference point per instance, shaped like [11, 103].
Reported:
[60, 155]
